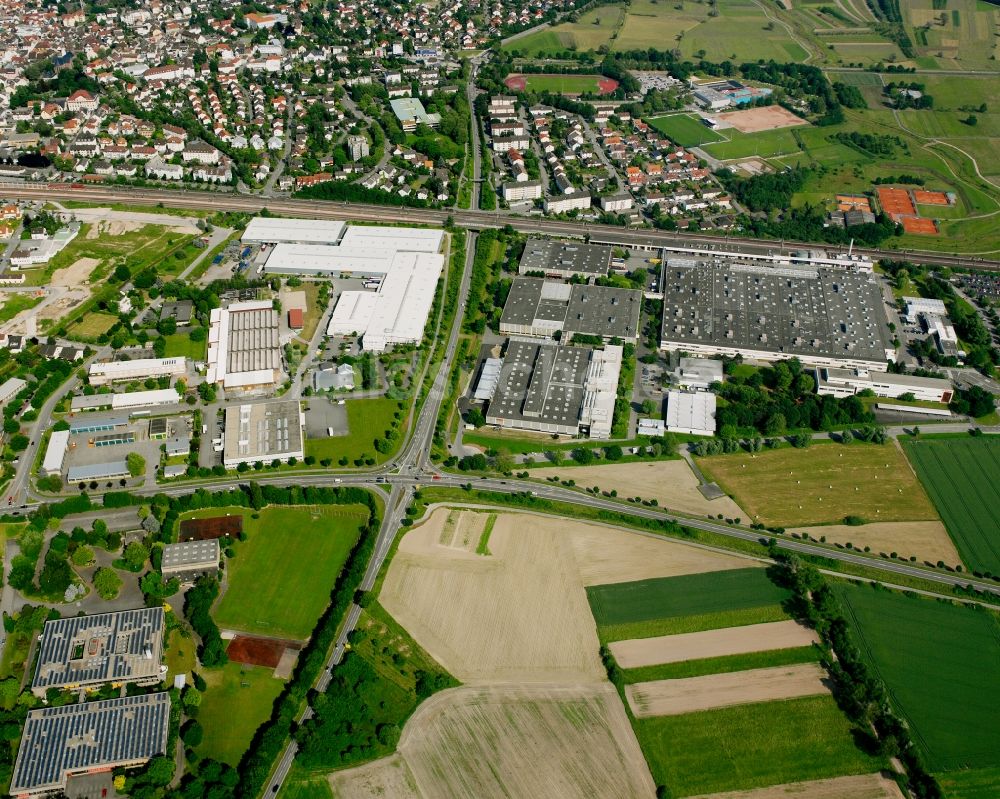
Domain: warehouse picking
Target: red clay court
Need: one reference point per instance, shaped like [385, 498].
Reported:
[919, 225]
[256, 651]
[930, 197]
[206, 529]
[896, 202]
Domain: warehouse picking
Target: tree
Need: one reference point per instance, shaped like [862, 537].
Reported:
[83, 556]
[136, 464]
[135, 556]
[192, 734]
[107, 583]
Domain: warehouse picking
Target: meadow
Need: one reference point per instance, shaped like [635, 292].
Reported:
[367, 419]
[941, 664]
[751, 746]
[92, 325]
[684, 129]
[822, 484]
[181, 345]
[961, 477]
[237, 701]
[280, 580]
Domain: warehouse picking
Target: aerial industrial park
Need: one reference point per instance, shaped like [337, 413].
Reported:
[565, 400]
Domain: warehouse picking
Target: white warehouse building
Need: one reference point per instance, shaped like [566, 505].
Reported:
[113, 371]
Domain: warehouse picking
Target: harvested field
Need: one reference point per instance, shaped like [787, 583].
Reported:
[256, 651]
[74, 275]
[926, 540]
[671, 483]
[754, 120]
[675, 697]
[638, 652]
[862, 786]
[552, 741]
[521, 613]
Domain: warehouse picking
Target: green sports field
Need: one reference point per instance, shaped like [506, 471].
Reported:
[765, 144]
[962, 477]
[751, 746]
[684, 129]
[941, 664]
[280, 580]
[562, 84]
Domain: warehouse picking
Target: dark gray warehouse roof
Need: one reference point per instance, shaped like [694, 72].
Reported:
[60, 741]
[565, 257]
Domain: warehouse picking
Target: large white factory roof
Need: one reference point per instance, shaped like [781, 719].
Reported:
[243, 345]
[270, 229]
[408, 239]
[397, 312]
[321, 258]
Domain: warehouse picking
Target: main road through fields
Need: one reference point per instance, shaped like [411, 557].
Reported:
[471, 219]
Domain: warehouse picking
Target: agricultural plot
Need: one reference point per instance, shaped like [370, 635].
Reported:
[927, 541]
[752, 746]
[862, 786]
[624, 607]
[822, 484]
[281, 578]
[545, 740]
[686, 130]
[941, 664]
[961, 477]
[593, 29]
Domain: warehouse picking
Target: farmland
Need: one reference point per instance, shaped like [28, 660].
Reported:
[961, 477]
[238, 700]
[280, 579]
[626, 610]
[941, 664]
[822, 484]
[752, 745]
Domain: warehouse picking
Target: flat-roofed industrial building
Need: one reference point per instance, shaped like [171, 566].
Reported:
[244, 348]
[90, 651]
[565, 259]
[272, 230]
[141, 368]
[824, 316]
[550, 388]
[848, 382]
[691, 412]
[131, 399]
[263, 432]
[61, 742]
[541, 308]
[11, 388]
[189, 559]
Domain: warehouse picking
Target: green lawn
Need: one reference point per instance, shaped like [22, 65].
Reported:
[751, 746]
[300, 786]
[13, 304]
[684, 129]
[821, 484]
[725, 664]
[941, 664]
[238, 700]
[180, 345]
[689, 595]
[962, 477]
[766, 144]
[179, 656]
[281, 578]
[92, 325]
[367, 419]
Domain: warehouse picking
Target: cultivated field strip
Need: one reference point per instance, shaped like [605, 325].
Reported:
[861, 786]
[638, 652]
[689, 695]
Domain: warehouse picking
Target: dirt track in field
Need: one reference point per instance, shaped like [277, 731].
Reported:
[927, 540]
[671, 483]
[692, 694]
[863, 786]
[520, 614]
[638, 652]
[556, 741]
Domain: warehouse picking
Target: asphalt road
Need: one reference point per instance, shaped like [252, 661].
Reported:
[471, 219]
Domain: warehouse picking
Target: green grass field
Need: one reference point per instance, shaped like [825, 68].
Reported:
[180, 345]
[722, 665]
[684, 129]
[689, 595]
[593, 29]
[92, 325]
[961, 476]
[751, 746]
[972, 784]
[281, 577]
[13, 304]
[941, 664]
[822, 484]
[301, 786]
[766, 144]
[367, 419]
[238, 700]
[562, 84]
